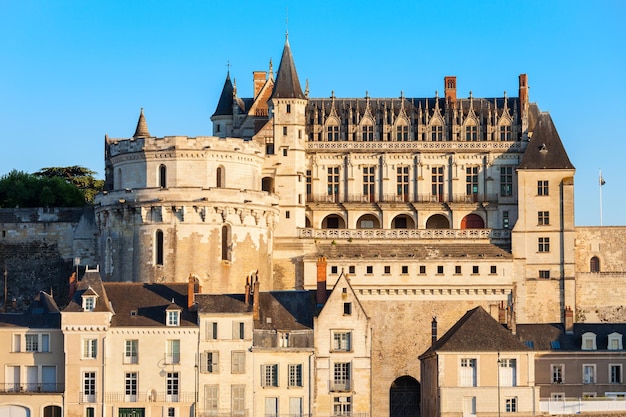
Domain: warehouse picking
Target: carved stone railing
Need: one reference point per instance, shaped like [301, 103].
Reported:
[418, 146]
[404, 234]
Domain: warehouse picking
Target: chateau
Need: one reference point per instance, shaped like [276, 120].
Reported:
[322, 245]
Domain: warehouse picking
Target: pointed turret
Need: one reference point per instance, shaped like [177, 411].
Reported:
[287, 84]
[142, 127]
[225, 105]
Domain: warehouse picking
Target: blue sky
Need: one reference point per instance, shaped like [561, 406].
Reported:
[73, 71]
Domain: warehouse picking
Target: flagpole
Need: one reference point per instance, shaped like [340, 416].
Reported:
[601, 182]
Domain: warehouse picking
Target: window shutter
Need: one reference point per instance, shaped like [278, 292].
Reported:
[203, 361]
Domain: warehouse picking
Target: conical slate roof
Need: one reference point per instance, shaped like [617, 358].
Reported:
[287, 84]
[142, 127]
[225, 105]
[545, 150]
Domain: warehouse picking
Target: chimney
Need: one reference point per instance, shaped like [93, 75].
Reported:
[258, 78]
[256, 299]
[321, 281]
[523, 92]
[192, 287]
[569, 320]
[502, 319]
[434, 330]
[247, 293]
[450, 89]
[73, 284]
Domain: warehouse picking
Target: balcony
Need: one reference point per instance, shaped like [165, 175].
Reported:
[340, 385]
[152, 397]
[127, 360]
[388, 234]
[30, 388]
[402, 198]
[418, 146]
[87, 397]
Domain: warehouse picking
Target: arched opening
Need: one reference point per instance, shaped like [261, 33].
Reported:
[52, 411]
[403, 221]
[158, 247]
[594, 264]
[162, 176]
[14, 411]
[404, 397]
[438, 221]
[307, 223]
[119, 184]
[368, 221]
[267, 184]
[472, 221]
[227, 244]
[333, 221]
[220, 177]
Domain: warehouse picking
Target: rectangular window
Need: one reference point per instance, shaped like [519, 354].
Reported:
[542, 188]
[89, 387]
[474, 269]
[211, 400]
[544, 274]
[89, 303]
[436, 133]
[402, 133]
[493, 269]
[506, 181]
[402, 183]
[589, 374]
[342, 341]
[131, 351]
[332, 133]
[368, 133]
[457, 269]
[351, 269]
[615, 373]
[471, 182]
[333, 184]
[238, 330]
[543, 218]
[90, 347]
[471, 133]
[369, 269]
[287, 214]
[171, 386]
[437, 183]
[440, 269]
[211, 330]
[557, 372]
[130, 386]
[333, 269]
[172, 354]
[171, 412]
[284, 151]
[422, 269]
[284, 130]
[173, 318]
[295, 407]
[295, 375]
[468, 372]
[238, 362]
[342, 406]
[347, 308]
[238, 400]
[90, 412]
[508, 372]
[505, 133]
[341, 376]
[288, 108]
[309, 183]
[269, 375]
[369, 183]
[387, 269]
[210, 362]
[405, 269]
[543, 244]
[32, 343]
[505, 219]
[271, 407]
[510, 405]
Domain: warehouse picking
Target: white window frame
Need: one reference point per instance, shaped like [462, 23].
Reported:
[615, 341]
[210, 362]
[591, 376]
[239, 330]
[342, 376]
[89, 386]
[131, 351]
[620, 377]
[211, 330]
[238, 362]
[589, 341]
[89, 303]
[172, 387]
[269, 375]
[468, 372]
[131, 384]
[560, 379]
[342, 341]
[294, 372]
[89, 348]
[510, 405]
[342, 405]
[508, 372]
[173, 318]
[172, 349]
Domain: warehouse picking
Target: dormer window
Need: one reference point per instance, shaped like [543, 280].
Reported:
[89, 300]
[615, 341]
[589, 341]
[173, 317]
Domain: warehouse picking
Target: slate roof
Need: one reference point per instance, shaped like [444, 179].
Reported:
[225, 103]
[542, 335]
[42, 313]
[288, 310]
[477, 331]
[142, 304]
[287, 84]
[91, 283]
[545, 150]
[412, 251]
[222, 303]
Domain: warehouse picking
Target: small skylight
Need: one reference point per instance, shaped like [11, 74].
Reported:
[530, 344]
[555, 344]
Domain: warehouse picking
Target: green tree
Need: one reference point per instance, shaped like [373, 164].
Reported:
[20, 189]
[81, 177]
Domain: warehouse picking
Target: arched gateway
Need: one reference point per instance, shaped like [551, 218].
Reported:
[404, 397]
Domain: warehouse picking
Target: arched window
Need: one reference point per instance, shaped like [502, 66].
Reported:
[52, 411]
[220, 177]
[158, 248]
[594, 264]
[118, 180]
[227, 244]
[162, 176]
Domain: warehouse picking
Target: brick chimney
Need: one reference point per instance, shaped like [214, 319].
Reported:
[523, 92]
[258, 78]
[321, 281]
[193, 287]
[247, 293]
[433, 325]
[73, 283]
[256, 298]
[569, 320]
[449, 87]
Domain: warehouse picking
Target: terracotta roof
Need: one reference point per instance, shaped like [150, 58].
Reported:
[287, 84]
[545, 150]
[477, 331]
[141, 304]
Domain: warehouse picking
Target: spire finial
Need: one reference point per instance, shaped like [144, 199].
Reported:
[287, 23]
[228, 66]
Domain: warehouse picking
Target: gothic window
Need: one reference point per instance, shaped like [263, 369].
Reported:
[471, 182]
[402, 183]
[436, 133]
[437, 183]
[162, 176]
[594, 264]
[368, 132]
[333, 184]
[332, 131]
[227, 244]
[402, 133]
[471, 133]
[158, 248]
[505, 133]
[369, 183]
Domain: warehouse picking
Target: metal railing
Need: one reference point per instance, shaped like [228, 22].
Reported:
[403, 198]
[140, 397]
[340, 385]
[31, 387]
